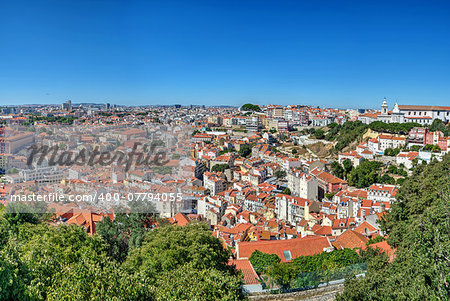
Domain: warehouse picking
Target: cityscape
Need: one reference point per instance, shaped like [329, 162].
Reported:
[273, 170]
[292, 181]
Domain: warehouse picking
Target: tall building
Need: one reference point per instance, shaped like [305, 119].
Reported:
[67, 105]
[253, 124]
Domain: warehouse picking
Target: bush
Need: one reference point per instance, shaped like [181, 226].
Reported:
[391, 152]
[219, 167]
[261, 261]
[319, 134]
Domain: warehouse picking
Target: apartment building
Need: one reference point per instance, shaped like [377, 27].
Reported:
[215, 182]
[382, 193]
[302, 184]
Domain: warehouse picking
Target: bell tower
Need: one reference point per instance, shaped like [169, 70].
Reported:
[384, 107]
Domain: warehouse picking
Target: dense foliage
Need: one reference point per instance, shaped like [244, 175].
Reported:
[393, 128]
[397, 170]
[326, 260]
[304, 271]
[349, 132]
[418, 226]
[432, 147]
[352, 131]
[250, 107]
[39, 261]
[391, 152]
[52, 119]
[319, 134]
[438, 125]
[365, 174]
[341, 171]
[220, 167]
[245, 150]
[124, 232]
[261, 261]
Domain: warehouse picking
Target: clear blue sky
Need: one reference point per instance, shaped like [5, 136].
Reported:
[327, 53]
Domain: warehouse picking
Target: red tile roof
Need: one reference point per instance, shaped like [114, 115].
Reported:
[180, 219]
[297, 246]
[350, 239]
[244, 265]
[384, 247]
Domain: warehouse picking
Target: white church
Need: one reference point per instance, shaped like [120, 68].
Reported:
[394, 116]
[423, 115]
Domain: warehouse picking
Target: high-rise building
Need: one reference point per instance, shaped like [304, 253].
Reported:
[67, 105]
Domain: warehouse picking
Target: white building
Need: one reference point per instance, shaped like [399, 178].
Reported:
[48, 175]
[214, 183]
[425, 114]
[373, 145]
[292, 209]
[390, 141]
[412, 113]
[302, 185]
[382, 193]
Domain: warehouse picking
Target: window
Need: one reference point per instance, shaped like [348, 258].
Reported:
[287, 255]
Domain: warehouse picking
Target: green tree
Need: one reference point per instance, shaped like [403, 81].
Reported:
[185, 261]
[251, 107]
[337, 169]
[319, 134]
[42, 261]
[245, 150]
[287, 191]
[189, 283]
[386, 179]
[261, 261]
[126, 231]
[349, 132]
[393, 128]
[280, 174]
[169, 247]
[348, 166]
[417, 225]
[438, 125]
[391, 152]
[365, 174]
[283, 273]
[220, 167]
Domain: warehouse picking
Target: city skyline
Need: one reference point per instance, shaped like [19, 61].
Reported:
[348, 55]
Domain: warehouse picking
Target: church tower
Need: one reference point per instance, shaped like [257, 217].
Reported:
[384, 107]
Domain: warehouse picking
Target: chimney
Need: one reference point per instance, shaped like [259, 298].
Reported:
[382, 207]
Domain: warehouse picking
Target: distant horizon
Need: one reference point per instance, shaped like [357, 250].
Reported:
[208, 105]
[183, 105]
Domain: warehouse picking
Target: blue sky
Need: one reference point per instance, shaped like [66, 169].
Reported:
[327, 53]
